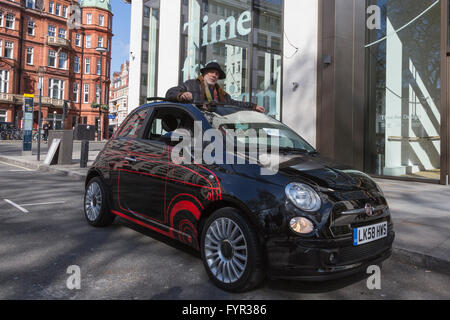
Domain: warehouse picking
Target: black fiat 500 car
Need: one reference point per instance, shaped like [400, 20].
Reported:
[312, 219]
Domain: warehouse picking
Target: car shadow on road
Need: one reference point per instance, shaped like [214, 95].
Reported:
[315, 286]
[159, 237]
[282, 285]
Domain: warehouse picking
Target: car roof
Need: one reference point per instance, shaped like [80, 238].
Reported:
[188, 107]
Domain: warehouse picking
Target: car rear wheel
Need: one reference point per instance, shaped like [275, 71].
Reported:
[231, 251]
[96, 208]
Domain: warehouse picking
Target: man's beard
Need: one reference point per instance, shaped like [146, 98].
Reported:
[210, 82]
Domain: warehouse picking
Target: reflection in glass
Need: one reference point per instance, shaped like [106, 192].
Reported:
[221, 31]
[150, 34]
[190, 39]
[404, 84]
[225, 39]
[266, 69]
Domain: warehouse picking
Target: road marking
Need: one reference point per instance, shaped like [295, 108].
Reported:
[13, 165]
[42, 204]
[17, 206]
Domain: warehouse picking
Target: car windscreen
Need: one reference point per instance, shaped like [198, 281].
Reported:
[247, 123]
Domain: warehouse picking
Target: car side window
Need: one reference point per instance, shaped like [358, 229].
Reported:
[168, 120]
[133, 124]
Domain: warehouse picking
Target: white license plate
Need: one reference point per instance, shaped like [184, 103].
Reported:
[368, 234]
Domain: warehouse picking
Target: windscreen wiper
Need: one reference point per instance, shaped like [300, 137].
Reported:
[296, 150]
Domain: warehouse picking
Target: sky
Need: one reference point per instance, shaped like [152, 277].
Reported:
[121, 31]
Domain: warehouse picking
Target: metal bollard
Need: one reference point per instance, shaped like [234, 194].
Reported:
[84, 158]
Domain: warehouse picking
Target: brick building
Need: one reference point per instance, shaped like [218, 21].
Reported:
[118, 96]
[55, 41]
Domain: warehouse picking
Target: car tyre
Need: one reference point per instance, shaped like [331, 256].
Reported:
[96, 204]
[231, 251]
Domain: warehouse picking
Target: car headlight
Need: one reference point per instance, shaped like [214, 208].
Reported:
[301, 225]
[303, 197]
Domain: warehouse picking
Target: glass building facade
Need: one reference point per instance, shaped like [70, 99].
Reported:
[244, 37]
[366, 82]
[149, 54]
[404, 81]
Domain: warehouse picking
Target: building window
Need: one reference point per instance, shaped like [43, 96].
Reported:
[151, 26]
[86, 93]
[30, 56]
[1, 18]
[4, 80]
[99, 66]
[146, 12]
[62, 60]
[78, 40]
[88, 41]
[2, 115]
[89, 18]
[403, 138]
[75, 92]
[9, 21]
[101, 20]
[58, 9]
[31, 4]
[9, 49]
[100, 42]
[31, 26]
[64, 11]
[51, 5]
[1, 47]
[76, 65]
[97, 93]
[87, 66]
[51, 31]
[52, 59]
[62, 33]
[56, 89]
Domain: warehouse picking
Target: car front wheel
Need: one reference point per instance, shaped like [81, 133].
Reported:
[231, 251]
[96, 208]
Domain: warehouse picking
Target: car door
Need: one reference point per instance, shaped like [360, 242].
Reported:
[190, 187]
[143, 188]
[126, 166]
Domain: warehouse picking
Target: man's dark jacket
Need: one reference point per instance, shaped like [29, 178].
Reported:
[198, 93]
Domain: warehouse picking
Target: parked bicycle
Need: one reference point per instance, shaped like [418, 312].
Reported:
[36, 135]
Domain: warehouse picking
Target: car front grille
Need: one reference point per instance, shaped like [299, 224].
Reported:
[349, 255]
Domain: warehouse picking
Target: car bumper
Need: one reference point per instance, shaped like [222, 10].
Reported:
[321, 260]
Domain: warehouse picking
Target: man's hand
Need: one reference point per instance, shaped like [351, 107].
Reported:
[187, 96]
[260, 109]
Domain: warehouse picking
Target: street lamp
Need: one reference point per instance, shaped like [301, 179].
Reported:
[101, 50]
[54, 120]
[40, 84]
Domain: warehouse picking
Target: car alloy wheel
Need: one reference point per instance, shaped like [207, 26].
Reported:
[231, 251]
[226, 250]
[93, 201]
[96, 208]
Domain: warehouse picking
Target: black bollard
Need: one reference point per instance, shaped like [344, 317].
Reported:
[84, 153]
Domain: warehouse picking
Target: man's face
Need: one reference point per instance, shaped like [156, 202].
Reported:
[211, 77]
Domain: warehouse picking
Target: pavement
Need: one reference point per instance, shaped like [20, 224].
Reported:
[420, 211]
